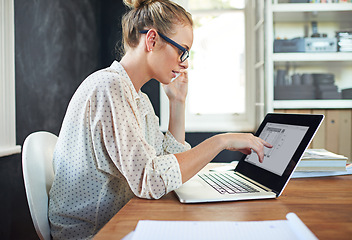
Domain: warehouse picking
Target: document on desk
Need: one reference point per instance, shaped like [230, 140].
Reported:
[291, 229]
[311, 174]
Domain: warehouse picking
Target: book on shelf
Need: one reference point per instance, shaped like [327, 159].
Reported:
[322, 160]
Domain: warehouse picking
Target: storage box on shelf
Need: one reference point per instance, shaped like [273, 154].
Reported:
[310, 44]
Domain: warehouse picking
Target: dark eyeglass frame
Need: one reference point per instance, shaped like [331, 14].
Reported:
[185, 53]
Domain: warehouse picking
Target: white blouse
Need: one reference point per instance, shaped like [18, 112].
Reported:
[109, 149]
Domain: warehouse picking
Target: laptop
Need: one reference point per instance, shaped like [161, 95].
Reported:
[290, 135]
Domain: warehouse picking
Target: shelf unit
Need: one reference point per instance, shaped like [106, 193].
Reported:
[288, 20]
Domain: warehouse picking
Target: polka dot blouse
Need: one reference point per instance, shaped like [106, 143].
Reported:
[109, 149]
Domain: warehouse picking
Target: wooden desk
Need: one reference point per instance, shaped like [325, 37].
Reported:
[323, 204]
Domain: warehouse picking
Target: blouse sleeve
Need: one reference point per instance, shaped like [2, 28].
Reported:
[118, 142]
[172, 146]
[163, 143]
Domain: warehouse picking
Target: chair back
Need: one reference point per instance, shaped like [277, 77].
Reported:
[38, 175]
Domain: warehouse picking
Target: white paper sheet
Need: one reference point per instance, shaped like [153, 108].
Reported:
[206, 230]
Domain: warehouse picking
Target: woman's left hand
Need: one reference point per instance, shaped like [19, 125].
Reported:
[177, 90]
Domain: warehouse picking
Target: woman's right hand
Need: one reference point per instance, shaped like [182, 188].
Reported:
[193, 160]
[245, 143]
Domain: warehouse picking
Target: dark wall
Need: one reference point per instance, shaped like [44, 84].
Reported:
[15, 221]
[57, 44]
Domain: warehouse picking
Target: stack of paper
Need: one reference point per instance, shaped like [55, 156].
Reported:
[291, 229]
[322, 160]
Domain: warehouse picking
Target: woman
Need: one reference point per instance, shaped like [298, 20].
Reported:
[110, 147]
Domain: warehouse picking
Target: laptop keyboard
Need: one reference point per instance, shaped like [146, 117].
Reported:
[226, 184]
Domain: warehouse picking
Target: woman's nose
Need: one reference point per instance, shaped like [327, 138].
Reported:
[184, 64]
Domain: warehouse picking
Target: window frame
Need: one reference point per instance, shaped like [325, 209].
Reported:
[7, 80]
[223, 122]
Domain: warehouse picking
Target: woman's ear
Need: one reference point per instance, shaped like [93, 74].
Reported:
[150, 39]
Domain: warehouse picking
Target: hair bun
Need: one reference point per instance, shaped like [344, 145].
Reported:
[137, 3]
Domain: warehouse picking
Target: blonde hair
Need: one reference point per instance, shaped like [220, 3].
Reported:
[144, 14]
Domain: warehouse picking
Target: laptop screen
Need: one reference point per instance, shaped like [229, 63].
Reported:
[290, 135]
[285, 139]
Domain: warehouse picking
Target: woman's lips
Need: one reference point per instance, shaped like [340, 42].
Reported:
[175, 75]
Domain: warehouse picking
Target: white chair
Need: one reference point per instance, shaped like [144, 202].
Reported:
[38, 175]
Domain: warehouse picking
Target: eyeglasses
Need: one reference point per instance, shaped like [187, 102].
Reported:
[185, 53]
